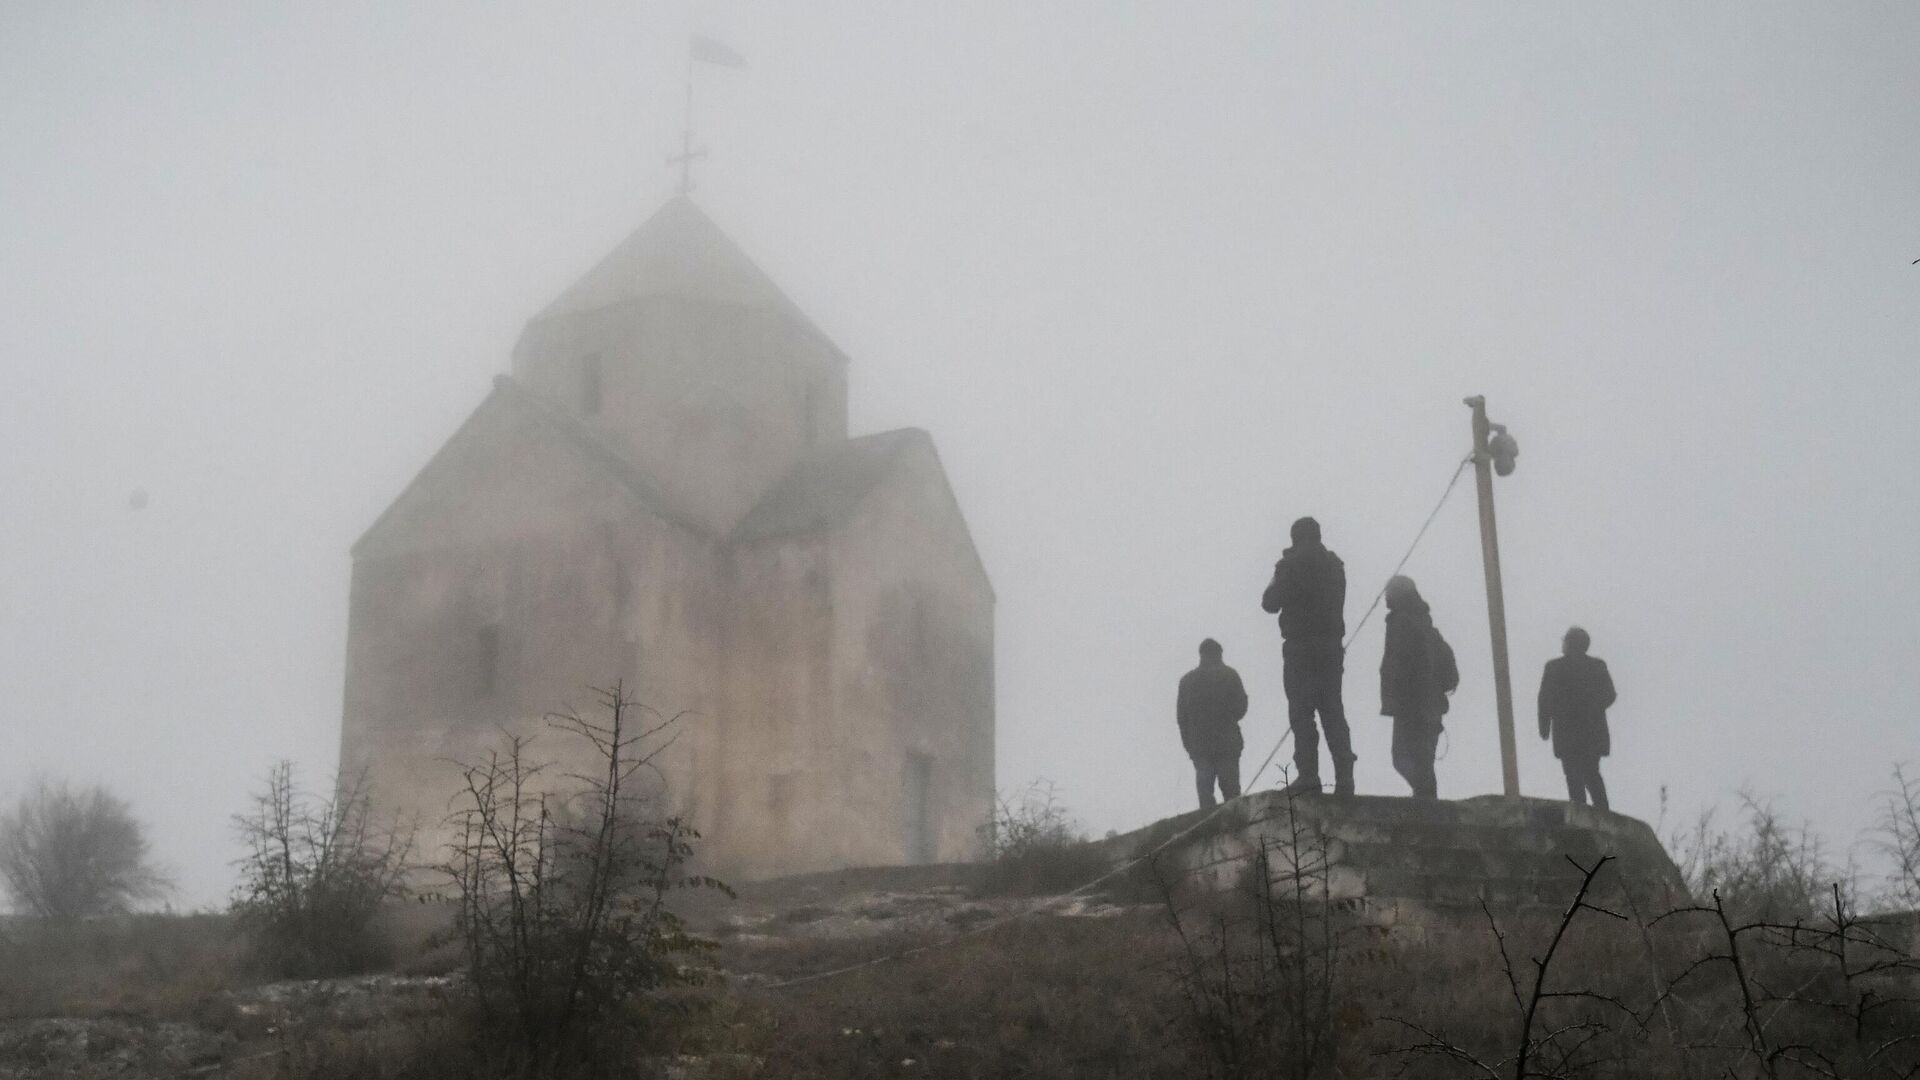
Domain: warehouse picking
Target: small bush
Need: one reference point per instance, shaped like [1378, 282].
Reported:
[67, 854]
[1035, 847]
[561, 894]
[1767, 869]
[1261, 971]
[1897, 835]
[314, 877]
[160, 966]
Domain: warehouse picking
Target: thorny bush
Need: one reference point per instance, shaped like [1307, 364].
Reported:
[560, 882]
[314, 877]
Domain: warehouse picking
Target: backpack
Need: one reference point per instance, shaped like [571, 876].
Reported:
[1445, 670]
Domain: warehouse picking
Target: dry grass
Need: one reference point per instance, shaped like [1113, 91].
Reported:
[1040, 997]
[162, 966]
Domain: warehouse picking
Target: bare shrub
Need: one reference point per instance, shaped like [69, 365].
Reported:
[561, 883]
[1260, 971]
[67, 854]
[1036, 847]
[1897, 835]
[314, 876]
[1830, 996]
[1764, 869]
[1559, 1028]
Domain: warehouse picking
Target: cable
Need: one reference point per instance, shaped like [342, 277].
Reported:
[1046, 902]
[1417, 537]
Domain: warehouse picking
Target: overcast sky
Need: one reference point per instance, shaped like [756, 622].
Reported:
[1158, 278]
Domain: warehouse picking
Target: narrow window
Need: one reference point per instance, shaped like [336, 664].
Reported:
[780, 802]
[487, 658]
[590, 385]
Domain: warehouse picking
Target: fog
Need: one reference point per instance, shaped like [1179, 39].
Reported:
[1158, 279]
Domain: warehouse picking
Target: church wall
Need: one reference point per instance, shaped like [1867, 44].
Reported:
[559, 616]
[716, 401]
[914, 694]
[513, 580]
[779, 762]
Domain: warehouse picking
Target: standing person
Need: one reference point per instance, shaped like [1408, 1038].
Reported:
[1309, 593]
[1575, 692]
[1417, 672]
[1212, 701]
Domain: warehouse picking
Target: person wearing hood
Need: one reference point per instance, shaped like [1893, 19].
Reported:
[1309, 593]
[1211, 703]
[1575, 691]
[1417, 672]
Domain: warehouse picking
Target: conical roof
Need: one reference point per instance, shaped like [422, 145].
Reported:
[678, 252]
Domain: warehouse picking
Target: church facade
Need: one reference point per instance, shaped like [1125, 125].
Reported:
[663, 492]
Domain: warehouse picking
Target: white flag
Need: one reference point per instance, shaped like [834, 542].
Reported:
[708, 51]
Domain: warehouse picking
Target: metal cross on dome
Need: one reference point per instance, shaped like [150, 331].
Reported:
[704, 50]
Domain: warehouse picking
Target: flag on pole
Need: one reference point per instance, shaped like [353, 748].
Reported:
[709, 51]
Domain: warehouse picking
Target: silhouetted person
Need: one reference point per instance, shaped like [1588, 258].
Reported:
[1309, 592]
[1575, 691]
[1416, 673]
[1212, 701]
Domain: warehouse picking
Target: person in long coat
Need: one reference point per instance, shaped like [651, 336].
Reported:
[1414, 672]
[1575, 692]
[1211, 703]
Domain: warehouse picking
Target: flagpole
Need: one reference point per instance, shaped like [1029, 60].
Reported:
[686, 134]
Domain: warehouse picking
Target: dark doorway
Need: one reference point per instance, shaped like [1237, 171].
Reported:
[917, 807]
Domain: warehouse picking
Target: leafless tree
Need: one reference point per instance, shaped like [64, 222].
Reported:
[68, 854]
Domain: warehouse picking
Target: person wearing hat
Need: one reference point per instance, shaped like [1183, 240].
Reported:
[1417, 672]
[1309, 593]
[1212, 700]
[1575, 692]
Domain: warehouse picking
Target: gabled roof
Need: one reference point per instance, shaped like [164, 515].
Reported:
[827, 486]
[567, 432]
[678, 252]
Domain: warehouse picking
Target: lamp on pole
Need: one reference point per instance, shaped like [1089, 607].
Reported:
[1494, 450]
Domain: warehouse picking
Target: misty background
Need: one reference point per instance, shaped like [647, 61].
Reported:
[1158, 278]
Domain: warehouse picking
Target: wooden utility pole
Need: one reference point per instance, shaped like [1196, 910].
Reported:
[1496, 595]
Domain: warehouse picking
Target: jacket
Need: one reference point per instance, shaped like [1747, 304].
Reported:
[1412, 675]
[1309, 593]
[1575, 693]
[1211, 703]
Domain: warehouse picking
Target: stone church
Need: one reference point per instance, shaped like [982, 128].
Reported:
[664, 492]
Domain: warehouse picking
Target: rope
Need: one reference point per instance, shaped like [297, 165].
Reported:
[1417, 537]
[1044, 904]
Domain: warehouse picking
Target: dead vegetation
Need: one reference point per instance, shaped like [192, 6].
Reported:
[560, 886]
[315, 875]
[1035, 847]
[1276, 979]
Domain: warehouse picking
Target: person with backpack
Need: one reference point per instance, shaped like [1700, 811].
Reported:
[1417, 672]
[1211, 702]
[1575, 691]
